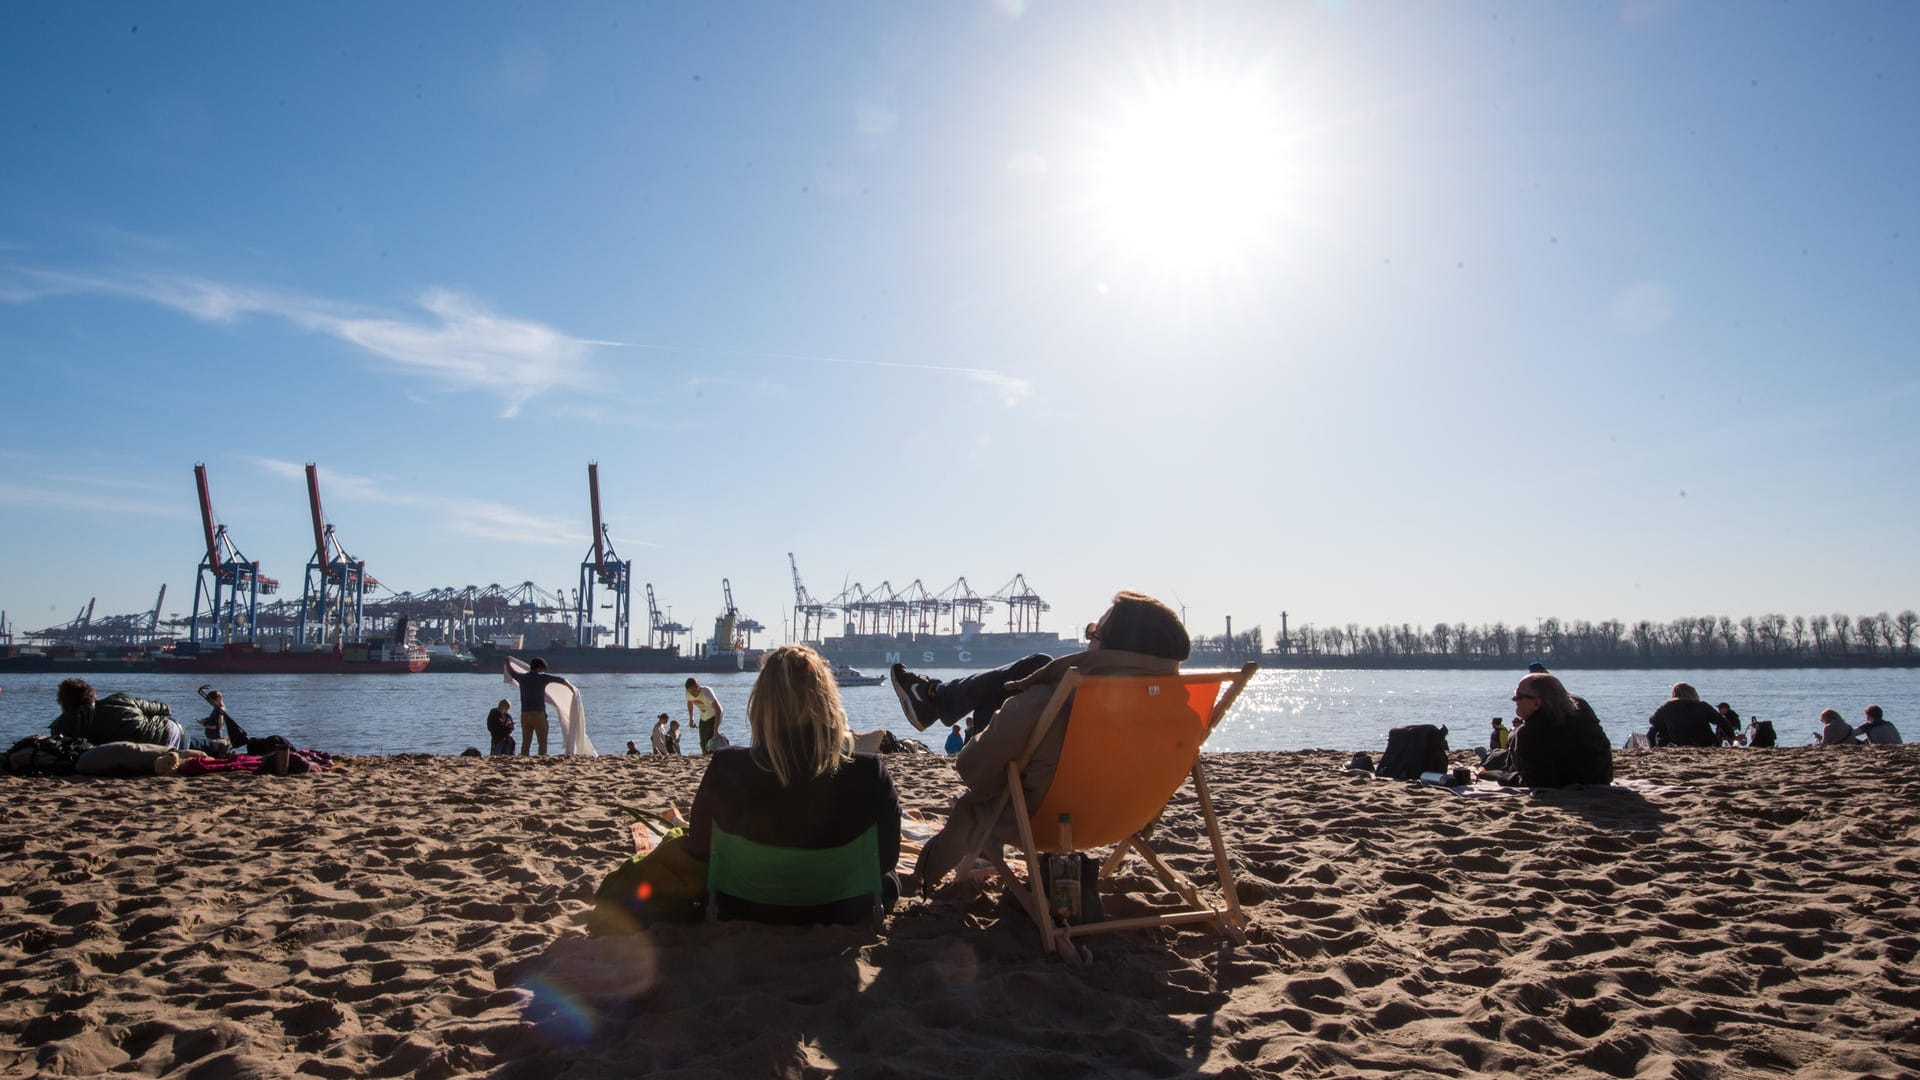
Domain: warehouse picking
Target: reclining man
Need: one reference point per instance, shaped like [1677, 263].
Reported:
[123, 718]
[1138, 635]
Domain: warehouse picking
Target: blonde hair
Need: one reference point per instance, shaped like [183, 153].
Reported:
[799, 726]
[1685, 692]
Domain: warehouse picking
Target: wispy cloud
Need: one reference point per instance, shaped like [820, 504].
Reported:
[69, 498]
[453, 340]
[467, 517]
[1012, 389]
[458, 343]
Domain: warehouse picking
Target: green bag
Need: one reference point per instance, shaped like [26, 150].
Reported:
[663, 885]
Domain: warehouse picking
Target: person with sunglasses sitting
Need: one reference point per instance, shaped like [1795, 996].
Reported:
[1557, 740]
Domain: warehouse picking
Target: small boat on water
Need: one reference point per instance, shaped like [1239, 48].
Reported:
[848, 675]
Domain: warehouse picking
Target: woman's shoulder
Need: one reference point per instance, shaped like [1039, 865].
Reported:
[869, 770]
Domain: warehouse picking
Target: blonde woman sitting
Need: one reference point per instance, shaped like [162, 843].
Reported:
[797, 828]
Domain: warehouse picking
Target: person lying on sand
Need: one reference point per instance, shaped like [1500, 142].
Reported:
[1138, 635]
[122, 718]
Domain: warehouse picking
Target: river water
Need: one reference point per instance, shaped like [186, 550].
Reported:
[1281, 710]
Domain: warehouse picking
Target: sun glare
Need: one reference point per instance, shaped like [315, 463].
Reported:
[1191, 175]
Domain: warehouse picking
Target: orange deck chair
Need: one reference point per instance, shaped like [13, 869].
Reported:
[1133, 740]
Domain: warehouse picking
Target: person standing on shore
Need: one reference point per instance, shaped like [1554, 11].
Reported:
[701, 698]
[1877, 729]
[660, 743]
[533, 703]
[673, 738]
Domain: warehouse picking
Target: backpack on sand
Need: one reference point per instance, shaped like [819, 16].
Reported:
[1414, 749]
[46, 755]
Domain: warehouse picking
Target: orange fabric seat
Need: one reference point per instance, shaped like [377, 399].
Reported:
[1133, 740]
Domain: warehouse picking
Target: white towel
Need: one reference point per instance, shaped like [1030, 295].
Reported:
[563, 701]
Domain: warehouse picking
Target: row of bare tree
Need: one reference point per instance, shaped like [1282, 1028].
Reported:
[1775, 637]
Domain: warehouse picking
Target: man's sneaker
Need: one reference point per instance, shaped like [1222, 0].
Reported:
[916, 696]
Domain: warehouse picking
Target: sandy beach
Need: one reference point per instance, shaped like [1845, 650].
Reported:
[1729, 913]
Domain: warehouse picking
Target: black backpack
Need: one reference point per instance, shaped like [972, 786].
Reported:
[46, 755]
[1763, 733]
[1412, 750]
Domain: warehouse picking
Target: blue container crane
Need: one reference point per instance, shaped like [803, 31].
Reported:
[225, 575]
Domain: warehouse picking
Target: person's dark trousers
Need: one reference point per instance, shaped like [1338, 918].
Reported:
[237, 736]
[706, 734]
[978, 696]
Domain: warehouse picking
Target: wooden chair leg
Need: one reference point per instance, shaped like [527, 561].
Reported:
[1037, 905]
[1235, 916]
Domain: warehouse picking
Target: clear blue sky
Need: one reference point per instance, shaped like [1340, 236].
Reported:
[1365, 311]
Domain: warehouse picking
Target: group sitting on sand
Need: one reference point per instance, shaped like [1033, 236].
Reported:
[127, 735]
[1835, 731]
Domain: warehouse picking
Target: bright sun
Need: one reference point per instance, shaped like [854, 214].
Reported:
[1192, 174]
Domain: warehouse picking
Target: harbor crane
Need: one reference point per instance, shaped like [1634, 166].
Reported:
[224, 575]
[605, 568]
[1023, 605]
[732, 630]
[337, 620]
[153, 622]
[660, 633]
[809, 615]
[966, 608]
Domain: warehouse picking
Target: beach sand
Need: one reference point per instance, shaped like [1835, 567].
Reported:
[1752, 914]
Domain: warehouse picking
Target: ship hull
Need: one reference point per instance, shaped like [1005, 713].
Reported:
[977, 651]
[575, 660]
[99, 666]
[240, 659]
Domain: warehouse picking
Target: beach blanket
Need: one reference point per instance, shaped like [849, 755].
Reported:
[1490, 789]
[563, 701]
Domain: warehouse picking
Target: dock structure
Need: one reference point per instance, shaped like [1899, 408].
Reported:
[884, 611]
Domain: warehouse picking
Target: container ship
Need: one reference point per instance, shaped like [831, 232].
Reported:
[978, 649]
[68, 660]
[614, 659]
[239, 658]
[376, 657]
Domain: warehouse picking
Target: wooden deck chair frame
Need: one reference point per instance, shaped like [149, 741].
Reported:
[1226, 918]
